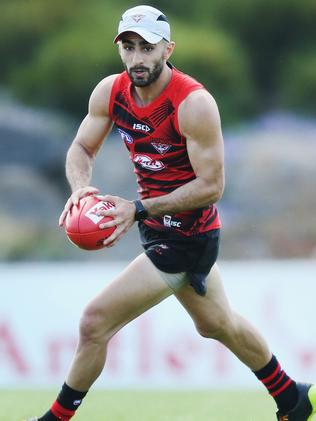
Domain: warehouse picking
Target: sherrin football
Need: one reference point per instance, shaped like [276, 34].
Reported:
[82, 223]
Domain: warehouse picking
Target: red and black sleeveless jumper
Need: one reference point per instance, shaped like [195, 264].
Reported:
[158, 150]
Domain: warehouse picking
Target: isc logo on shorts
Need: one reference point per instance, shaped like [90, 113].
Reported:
[168, 222]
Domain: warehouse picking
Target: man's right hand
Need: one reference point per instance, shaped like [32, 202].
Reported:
[74, 200]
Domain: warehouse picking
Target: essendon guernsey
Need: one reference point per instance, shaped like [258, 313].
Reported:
[158, 150]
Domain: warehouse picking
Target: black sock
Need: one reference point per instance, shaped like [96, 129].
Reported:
[49, 416]
[280, 386]
[65, 405]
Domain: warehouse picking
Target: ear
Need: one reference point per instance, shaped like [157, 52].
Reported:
[119, 46]
[170, 46]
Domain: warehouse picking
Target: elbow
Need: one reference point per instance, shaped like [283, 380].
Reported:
[217, 195]
[210, 190]
[212, 195]
[216, 191]
[220, 185]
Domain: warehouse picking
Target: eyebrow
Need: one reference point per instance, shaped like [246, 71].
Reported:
[128, 41]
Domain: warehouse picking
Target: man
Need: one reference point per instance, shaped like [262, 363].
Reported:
[171, 127]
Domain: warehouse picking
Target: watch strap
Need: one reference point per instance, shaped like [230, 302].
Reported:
[141, 212]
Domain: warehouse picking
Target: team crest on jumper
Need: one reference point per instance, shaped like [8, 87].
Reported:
[162, 148]
[137, 18]
[125, 136]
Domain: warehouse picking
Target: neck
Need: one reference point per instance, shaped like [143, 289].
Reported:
[145, 95]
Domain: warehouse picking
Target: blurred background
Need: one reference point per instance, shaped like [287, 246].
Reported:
[256, 57]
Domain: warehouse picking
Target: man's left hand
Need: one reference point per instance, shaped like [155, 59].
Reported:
[123, 217]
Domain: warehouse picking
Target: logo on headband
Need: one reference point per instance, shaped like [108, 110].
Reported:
[137, 18]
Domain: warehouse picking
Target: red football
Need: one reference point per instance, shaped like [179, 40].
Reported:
[82, 223]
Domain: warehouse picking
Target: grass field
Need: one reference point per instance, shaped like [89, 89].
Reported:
[147, 405]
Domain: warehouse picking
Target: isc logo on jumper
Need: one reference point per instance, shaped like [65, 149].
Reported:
[92, 213]
[168, 222]
[148, 163]
[141, 127]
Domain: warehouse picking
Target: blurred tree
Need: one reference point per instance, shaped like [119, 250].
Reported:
[240, 49]
[298, 82]
[25, 24]
[220, 63]
[269, 30]
[65, 69]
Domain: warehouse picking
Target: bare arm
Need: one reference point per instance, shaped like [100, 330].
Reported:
[89, 138]
[199, 122]
[91, 133]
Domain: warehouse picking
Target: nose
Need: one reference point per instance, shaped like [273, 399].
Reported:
[137, 58]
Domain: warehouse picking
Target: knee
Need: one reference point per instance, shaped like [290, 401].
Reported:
[215, 328]
[92, 326]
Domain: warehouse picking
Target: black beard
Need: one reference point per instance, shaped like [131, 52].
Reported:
[152, 75]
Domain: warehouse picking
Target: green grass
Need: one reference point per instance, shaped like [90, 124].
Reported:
[146, 405]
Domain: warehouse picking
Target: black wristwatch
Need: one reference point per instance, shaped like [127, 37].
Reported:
[140, 212]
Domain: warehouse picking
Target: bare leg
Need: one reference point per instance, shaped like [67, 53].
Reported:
[214, 318]
[136, 289]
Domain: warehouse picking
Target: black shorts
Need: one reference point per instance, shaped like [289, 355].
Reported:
[173, 253]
